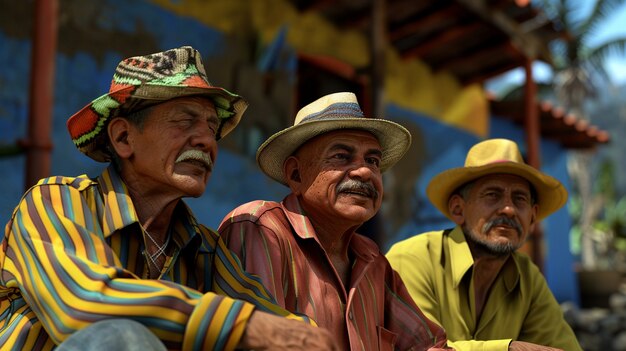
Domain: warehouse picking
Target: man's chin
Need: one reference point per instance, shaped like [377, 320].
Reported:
[191, 170]
[499, 248]
[192, 186]
[357, 213]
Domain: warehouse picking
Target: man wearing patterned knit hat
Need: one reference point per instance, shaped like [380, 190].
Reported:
[307, 250]
[119, 262]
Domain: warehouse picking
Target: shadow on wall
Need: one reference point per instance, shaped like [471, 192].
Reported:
[401, 202]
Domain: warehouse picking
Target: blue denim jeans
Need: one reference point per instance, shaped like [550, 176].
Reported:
[113, 334]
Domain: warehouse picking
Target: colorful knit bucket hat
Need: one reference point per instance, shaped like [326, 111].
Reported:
[142, 81]
[331, 112]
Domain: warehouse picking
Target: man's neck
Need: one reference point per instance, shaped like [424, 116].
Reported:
[335, 239]
[154, 210]
[486, 268]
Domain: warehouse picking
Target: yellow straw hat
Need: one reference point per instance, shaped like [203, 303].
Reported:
[491, 157]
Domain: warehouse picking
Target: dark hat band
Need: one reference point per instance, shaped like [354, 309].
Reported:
[335, 111]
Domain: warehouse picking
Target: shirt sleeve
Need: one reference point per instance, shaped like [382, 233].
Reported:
[260, 252]
[56, 255]
[418, 274]
[544, 324]
[414, 328]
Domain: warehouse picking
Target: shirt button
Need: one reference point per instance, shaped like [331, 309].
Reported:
[350, 315]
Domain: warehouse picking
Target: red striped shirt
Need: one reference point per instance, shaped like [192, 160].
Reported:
[277, 242]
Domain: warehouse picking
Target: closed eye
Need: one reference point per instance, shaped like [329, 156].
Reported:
[341, 156]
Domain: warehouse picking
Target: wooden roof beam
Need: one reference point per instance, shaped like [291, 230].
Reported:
[399, 11]
[475, 58]
[480, 77]
[312, 5]
[569, 137]
[425, 22]
[510, 64]
[552, 125]
[441, 40]
[530, 45]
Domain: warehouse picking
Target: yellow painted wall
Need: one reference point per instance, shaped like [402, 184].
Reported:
[409, 83]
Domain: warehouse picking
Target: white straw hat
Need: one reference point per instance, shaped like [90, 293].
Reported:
[329, 113]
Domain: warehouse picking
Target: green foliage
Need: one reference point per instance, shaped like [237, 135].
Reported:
[579, 72]
[580, 68]
[608, 229]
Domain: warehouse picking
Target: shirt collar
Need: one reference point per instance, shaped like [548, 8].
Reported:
[364, 248]
[461, 261]
[298, 220]
[119, 211]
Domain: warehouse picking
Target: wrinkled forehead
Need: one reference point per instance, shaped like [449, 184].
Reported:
[347, 139]
[200, 106]
[504, 180]
[357, 136]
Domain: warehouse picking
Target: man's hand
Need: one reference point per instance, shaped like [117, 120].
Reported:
[269, 332]
[527, 346]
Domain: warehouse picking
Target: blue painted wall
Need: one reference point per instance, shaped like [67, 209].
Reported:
[446, 147]
[559, 265]
[82, 76]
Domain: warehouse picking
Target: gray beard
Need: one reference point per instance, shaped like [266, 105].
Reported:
[490, 248]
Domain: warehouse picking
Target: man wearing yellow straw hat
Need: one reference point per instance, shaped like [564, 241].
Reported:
[118, 262]
[470, 279]
[306, 249]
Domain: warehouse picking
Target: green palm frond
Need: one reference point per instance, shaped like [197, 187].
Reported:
[603, 51]
[602, 9]
[579, 68]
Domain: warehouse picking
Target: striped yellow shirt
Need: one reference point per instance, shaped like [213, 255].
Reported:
[72, 255]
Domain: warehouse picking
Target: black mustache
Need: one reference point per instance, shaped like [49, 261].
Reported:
[502, 220]
[353, 185]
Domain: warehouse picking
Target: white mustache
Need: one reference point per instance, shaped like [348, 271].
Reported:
[196, 155]
[502, 220]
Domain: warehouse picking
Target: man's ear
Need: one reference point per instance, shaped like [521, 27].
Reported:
[291, 170]
[456, 207]
[118, 130]
[533, 218]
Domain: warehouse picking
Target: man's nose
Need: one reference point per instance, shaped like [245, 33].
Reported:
[507, 207]
[361, 170]
[204, 139]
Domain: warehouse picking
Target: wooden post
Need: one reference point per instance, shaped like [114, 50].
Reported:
[38, 144]
[378, 43]
[534, 246]
[378, 48]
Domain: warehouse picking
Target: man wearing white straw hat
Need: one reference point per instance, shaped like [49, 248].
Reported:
[118, 262]
[470, 279]
[306, 249]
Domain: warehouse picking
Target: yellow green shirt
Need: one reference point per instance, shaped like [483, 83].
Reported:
[437, 270]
